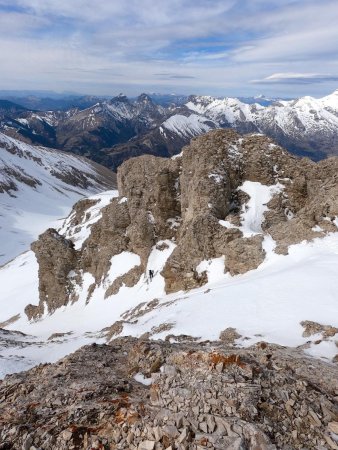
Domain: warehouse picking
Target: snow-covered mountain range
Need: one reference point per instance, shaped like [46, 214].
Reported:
[38, 186]
[112, 131]
[240, 235]
[306, 125]
[84, 131]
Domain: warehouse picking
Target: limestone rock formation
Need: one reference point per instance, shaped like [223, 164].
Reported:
[57, 272]
[214, 166]
[151, 187]
[219, 199]
[108, 238]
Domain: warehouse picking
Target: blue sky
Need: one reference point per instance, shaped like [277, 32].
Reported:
[217, 47]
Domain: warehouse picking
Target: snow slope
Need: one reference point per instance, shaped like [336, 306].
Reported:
[192, 125]
[264, 304]
[38, 186]
[230, 110]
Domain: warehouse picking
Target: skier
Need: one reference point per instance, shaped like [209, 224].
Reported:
[151, 274]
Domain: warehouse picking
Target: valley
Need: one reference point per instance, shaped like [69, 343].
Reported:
[111, 131]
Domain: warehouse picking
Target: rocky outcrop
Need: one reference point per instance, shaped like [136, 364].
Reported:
[214, 166]
[244, 254]
[312, 328]
[79, 211]
[202, 238]
[151, 187]
[58, 263]
[200, 200]
[139, 218]
[107, 238]
[135, 394]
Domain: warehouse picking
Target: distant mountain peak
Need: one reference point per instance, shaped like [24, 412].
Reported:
[121, 98]
[144, 98]
[200, 98]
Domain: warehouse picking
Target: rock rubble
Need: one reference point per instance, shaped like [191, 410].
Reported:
[139, 394]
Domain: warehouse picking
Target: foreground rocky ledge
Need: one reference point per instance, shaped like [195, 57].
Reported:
[139, 394]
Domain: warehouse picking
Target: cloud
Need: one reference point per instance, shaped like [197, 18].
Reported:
[297, 78]
[204, 46]
[170, 76]
[182, 77]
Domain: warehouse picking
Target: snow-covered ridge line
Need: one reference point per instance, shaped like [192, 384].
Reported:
[303, 124]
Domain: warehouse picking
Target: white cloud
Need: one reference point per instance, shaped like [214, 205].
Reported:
[214, 46]
[297, 78]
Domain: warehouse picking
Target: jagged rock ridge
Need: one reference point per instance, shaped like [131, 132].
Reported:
[225, 197]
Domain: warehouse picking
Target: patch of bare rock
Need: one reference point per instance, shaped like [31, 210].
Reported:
[312, 328]
[183, 200]
[151, 395]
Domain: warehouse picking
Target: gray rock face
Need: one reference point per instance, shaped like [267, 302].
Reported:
[58, 262]
[190, 396]
[195, 200]
[107, 238]
[151, 186]
[244, 254]
[213, 167]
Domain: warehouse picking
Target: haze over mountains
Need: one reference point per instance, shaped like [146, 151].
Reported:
[111, 131]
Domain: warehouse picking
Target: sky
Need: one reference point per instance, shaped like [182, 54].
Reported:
[282, 48]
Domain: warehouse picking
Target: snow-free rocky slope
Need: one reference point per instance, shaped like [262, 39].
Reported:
[146, 395]
[37, 187]
[240, 235]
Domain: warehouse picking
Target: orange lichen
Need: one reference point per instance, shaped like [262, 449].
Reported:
[123, 415]
[204, 441]
[217, 358]
[123, 412]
